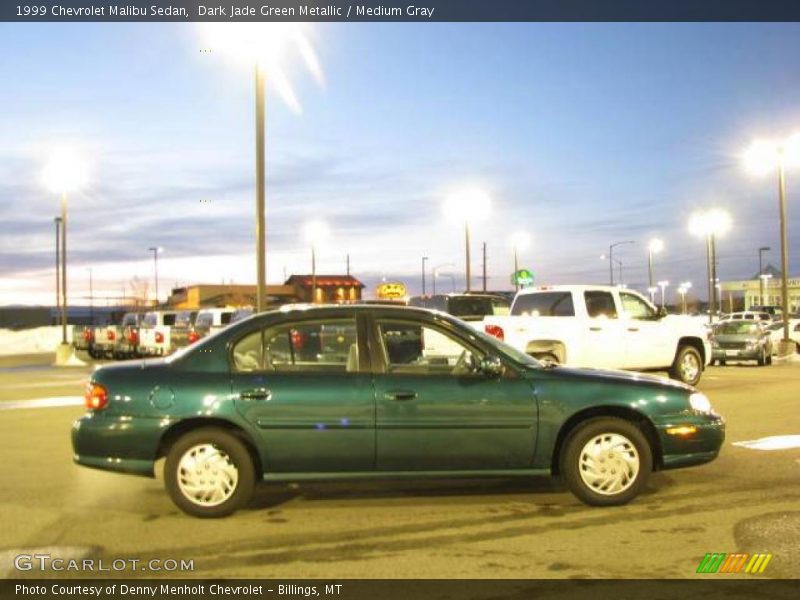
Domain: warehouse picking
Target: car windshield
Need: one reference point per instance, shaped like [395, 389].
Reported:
[738, 328]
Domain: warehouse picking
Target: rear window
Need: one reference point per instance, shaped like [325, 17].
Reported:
[129, 320]
[544, 304]
[600, 304]
[470, 306]
[169, 320]
[150, 320]
[204, 320]
[225, 318]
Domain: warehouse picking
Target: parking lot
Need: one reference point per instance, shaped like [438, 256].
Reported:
[744, 501]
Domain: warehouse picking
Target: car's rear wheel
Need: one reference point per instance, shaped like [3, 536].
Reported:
[209, 473]
[688, 365]
[606, 461]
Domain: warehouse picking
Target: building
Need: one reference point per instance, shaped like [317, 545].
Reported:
[751, 290]
[330, 288]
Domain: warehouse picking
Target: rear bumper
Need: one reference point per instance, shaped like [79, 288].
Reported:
[737, 353]
[117, 443]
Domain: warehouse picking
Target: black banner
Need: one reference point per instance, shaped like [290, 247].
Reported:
[397, 10]
[383, 589]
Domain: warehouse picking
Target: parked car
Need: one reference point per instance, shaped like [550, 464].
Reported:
[603, 327]
[83, 340]
[776, 312]
[155, 331]
[467, 307]
[119, 340]
[182, 329]
[747, 315]
[776, 333]
[741, 340]
[245, 405]
[211, 320]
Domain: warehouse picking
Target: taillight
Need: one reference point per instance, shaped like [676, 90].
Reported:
[96, 396]
[111, 336]
[193, 337]
[88, 335]
[298, 339]
[496, 331]
[133, 337]
[159, 337]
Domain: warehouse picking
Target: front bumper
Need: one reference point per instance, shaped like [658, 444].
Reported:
[700, 446]
[117, 443]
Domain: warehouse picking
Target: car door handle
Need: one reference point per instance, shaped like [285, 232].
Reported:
[256, 394]
[401, 395]
[633, 329]
[595, 329]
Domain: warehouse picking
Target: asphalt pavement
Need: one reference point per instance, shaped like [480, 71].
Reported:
[745, 501]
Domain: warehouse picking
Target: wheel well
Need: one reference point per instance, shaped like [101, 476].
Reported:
[555, 347]
[695, 343]
[620, 412]
[174, 433]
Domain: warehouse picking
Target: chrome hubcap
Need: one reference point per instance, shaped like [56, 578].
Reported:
[609, 464]
[689, 367]
[206, 475]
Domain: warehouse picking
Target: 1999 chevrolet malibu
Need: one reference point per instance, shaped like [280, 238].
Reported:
[342, 392]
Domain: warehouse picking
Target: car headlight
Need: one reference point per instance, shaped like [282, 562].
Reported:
[700, 402]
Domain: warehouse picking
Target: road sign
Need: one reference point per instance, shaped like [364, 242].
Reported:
[522, 278]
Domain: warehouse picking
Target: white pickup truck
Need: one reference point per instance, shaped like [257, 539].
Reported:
[603, 327]
[154, 333]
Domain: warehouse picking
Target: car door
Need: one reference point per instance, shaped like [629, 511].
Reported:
[648, 341]
[436, 411]
[603, 346]
[302, 386]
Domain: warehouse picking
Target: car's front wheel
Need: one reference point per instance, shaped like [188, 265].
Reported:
[209, 473]
[688, 365]
[606, 461]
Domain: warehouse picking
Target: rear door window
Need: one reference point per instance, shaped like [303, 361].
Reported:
[600, 304]
[544, 304]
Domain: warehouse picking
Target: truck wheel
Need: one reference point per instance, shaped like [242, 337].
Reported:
[688, 365]
[209, 473]
[762, 358]
[547, 357]
[606, 461]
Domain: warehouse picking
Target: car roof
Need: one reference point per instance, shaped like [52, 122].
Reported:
[575, 288]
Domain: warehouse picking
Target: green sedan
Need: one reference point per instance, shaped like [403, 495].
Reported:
[369, 391]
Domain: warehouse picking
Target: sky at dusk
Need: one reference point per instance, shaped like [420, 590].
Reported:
[581, 134]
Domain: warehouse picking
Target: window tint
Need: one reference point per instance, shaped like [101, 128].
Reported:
[544, 304]
[225, 318]
[600, 304]
[470, 306]
[413, 348]
[635, 307]
[314, 346]
[169, 320]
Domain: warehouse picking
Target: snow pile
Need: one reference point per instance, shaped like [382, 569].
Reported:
[31, 341]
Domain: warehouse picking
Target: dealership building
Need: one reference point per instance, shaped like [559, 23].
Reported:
[754, 293]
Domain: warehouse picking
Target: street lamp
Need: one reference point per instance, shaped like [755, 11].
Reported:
[519, 241]
[764, 280]
[611, 258]
[156, 251]
[761, 272]
[652, 291]
[710, 224]
[64, 173]
[471, 206]
[663, 285]
[316, 232]
[263, 45]
[761, 158]
[424, 258]
[619, 264]
[654, 247]
[682, 290]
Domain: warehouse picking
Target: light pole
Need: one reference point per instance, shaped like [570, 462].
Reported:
[764, 279]
[611, 258]
[619, 264]
[654, 247]
[519, 241]
[156, 251]
[471, 206]
[424, 258]
[64, 173]
[316, 232]
[663, 285]
[262, 45]
[763, 157]
[652, 291]
[91, 297]
[57, 221]
[682, 290]
[710, 224]
[761, 272]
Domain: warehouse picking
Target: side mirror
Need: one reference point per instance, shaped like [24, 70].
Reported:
[492, 366]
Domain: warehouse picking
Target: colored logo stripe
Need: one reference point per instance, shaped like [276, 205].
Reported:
[720, 562]
[711, 562]
[758, 563]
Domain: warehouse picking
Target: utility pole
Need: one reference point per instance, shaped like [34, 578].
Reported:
[424, 258]
[57, 221]
[348, 264]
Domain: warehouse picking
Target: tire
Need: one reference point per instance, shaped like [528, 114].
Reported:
[584, 475]
[769, 358]
[762, 358]
[94, 353]
[547, 356]
[232, 482]
[688, 365]
[722, 362]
